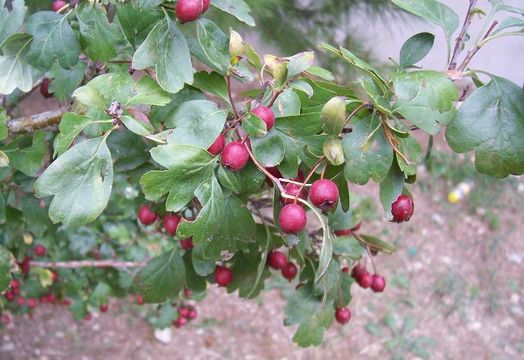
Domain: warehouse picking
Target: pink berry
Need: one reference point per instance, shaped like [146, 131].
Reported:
[9, 295]
[266, 115]
[342, 315]
[378, 284]
[192, 314]
[20, 301]
[181, 321]
[292, 190]
[58, 4]
[205, 5]
[277, 259]
[31, 303]
[183, 312]
[364, 280]
[217, 147]
[358, 270]
[324, 194]
[235, 156]
[402, 209]
[40, 250]
[104, 308]
[171, 222]
[289, 271]
[146, 216]
[223, 275]
[187, 244]
[189, 10]
[140, 299]
[292, 219]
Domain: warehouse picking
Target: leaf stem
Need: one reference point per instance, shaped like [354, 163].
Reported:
[460, 39]
[476, 48]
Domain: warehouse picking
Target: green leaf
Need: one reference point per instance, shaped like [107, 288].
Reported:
[367, 152]
[53, 40]
[5, 267]
[416, 48]
[165, 49]
[268, 150]
[347, 246]
[248, 279]
[299, 63]
[26, 153]
[101, 293]
[213, 83]
[4, 130]
[334, 115]
[137, 22]
[80, 181]
[334, 151]
[391, 188]
[432, 11]
[137, 124]
[100, 39]
[15, 71]
[188, 166]
[425, 98]
[508, 23]
[491, 122]
[70, 126]
[146, 91]
[162, 277]
[354, 60]
[287, 104]
[237, 8]
[413, 151]
[214, 44]
[321, 73]
[65, 81]
[254, 126]
[11, 20]
[166, 315]
[197, 123]
[378, 244]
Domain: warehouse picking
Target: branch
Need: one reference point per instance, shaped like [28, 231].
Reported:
[87, 263]
[462, 35]
[477, 47]
[43, 120]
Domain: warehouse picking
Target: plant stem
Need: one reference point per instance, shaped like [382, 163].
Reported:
[476, 48]
[311, 172]
[31, 123]
[87, 263]
[462, 35]
[353, 113]
[229, 93]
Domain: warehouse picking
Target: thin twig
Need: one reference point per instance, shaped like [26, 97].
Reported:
[31, 123]
[313, 169]
[229, 93]
[460, 39]
[354, 112]
[475, 49]
[87, 263]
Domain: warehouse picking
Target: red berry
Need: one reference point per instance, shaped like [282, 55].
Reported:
[189, 10]
[235, 156]
[146, 216]
[292, 190]
[364, 280]
[183, 312]
[402, 208]
[20, 301]
[25, 265]
[65, 302]
[15, 284]
[51, 298]
[378, 284]
[192, 313]
[358, 270]
[300, 177]
[140, 299]
[223, 276]
[266, 115]
[44, 86]
[348, 232]
[274, 171]
[324, 194]
[171, 222]
[205, 5]
[31, 303]
[181, 321]
[55, 277]
[9, 295]
[217, 147]
[88, 317]
[104, 308]
[345, 269]
[277, 260]
[292, 219]
[40, 250]
[289, 271]
[187, 293]
[58, 4]
[342, 315]
[187, 244]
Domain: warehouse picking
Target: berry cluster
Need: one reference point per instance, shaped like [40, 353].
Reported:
[366, 280]
[186, 313]
[278, 260]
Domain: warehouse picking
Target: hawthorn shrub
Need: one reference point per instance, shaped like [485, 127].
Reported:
[155, 180]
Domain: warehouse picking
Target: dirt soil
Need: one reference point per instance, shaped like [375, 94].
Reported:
[455, 286]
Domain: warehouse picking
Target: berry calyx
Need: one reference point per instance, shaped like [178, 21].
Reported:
[364, 280]
[205, 5]
[292, 219]
[235, 156]
[188, 10]
[342, 315]
[171, 222]
[187, 244]
[104, 308]
[40, 250]
[324, 194]
[44, 86]
[58, 4]
[223, 275]
[140, 299]
[146, 216]
[378, 284]
[294, 190]
[277, 260]
[266, 115]
[402, 209]
[289, 271]
[217, 147]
